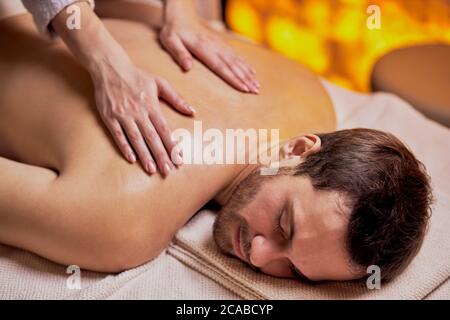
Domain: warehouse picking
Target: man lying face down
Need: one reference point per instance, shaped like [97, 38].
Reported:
[354, 198]
[341, 201]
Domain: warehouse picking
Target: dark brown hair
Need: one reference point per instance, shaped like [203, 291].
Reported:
[388, 192]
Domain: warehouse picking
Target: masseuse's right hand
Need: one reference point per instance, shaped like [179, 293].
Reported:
[128, 102]
[126, 97]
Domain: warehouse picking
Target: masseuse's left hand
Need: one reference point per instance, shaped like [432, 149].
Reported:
[183, 35]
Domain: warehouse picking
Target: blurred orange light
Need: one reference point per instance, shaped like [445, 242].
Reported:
[285, 36]
[244, 19]
[349, 25]
[332, 38]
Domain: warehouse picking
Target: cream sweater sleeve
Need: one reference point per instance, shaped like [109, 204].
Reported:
[44, 11]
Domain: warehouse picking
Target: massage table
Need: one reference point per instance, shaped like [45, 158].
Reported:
[193, 268]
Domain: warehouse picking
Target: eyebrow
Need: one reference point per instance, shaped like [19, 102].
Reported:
[292, 230]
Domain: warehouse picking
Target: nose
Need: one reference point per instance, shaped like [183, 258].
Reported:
[264, 251]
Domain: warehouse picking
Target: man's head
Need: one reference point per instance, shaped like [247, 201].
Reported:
[354, 198]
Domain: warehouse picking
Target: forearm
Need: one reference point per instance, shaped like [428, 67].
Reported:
[43, 12]
[147, 13]
[172, 9]
[152, 13]
[92, 44]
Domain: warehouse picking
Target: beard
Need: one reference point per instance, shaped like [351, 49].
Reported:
[229, 218]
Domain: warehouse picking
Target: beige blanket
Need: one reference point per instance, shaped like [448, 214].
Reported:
[24, 275]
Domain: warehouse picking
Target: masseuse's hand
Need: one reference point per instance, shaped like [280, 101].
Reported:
[126, 97]
[127, 100]
[184, 35]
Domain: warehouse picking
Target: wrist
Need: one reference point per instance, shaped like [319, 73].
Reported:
[106, 67]
[107, 53]
[177, 9]
[92, 45]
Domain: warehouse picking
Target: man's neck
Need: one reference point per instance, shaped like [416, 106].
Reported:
[225, 194]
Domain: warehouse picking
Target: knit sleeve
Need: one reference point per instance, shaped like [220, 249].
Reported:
[44, 11]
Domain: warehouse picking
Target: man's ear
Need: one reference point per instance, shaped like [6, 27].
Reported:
[301, 146]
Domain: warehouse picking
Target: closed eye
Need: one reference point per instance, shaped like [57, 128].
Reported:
[278, 227]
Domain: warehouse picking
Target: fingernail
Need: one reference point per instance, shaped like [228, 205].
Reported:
[166, 169]
[257, 84]
[245, 88]
[192, 109]
[151, 168]
[131, 158]
[187, 64]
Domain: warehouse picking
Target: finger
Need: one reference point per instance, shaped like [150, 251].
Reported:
[177, 50]
[249, 77]
[137, 141]
[159, 123]
[247, 66]
[156, 146]
[249, 71]
[166, 92]
[234, 65]
[121, 141]
[212, 60]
